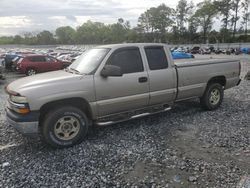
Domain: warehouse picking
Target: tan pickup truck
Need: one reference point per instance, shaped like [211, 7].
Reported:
[113, 83]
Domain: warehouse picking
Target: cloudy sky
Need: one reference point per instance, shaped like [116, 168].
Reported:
[18, 16]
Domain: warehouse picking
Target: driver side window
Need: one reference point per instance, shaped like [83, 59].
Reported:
[128, 59]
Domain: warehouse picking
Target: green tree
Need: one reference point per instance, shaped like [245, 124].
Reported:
[246, 15]
[65, 35]
[30, 38]
[204, 15]
[182, 12]
[45, 37]
[156, 20]
[224, 7]
[17, 39]
[235, 18]
[193, 24]
[143, 23]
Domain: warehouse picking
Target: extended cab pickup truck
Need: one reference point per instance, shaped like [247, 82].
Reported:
[113, 83]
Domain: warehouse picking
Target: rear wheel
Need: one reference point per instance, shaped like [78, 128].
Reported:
[30, 72]
[213, 96]
[65, 127]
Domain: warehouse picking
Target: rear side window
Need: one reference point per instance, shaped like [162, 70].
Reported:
[37, 59]
[128, 59]
[156, 57]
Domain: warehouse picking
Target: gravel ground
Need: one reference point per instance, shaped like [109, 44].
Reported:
[185, 147]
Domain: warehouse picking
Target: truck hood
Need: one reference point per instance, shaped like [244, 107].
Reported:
[42, 80]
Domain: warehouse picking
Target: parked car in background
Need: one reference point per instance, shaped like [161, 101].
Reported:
[182, 55]
[244, 50]
[15, 61]
[8, 60]
[2, 66]
[205, 51]
[237, 51]
[195, 50]
[75, 58]
[33, 64]
[67, 59]
[183, 49]
[211, 47]
[218, 51]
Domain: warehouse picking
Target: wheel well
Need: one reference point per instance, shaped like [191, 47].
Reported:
[28, 68]
[76, 102]
[218, 79]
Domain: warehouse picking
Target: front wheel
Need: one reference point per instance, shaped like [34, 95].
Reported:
[65, 127]
[213, 96]
[30, 72]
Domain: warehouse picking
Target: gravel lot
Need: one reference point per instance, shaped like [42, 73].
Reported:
[185, 147]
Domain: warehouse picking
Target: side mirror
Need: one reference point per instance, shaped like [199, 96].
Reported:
[111, 70]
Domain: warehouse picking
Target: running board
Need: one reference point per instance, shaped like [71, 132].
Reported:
[132, 117]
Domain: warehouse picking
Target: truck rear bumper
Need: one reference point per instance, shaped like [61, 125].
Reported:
[25, 124]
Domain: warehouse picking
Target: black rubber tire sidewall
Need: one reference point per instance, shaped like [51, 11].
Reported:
[52, 117]
[205, 102]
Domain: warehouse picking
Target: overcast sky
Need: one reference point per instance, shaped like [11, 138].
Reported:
[18, 16]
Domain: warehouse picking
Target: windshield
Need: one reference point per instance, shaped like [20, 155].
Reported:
[89, 60]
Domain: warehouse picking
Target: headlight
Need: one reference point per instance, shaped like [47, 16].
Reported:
[18, 99]
[19, 104]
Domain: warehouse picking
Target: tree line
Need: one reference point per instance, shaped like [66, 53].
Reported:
[186, 23]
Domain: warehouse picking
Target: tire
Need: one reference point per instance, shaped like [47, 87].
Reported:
[64, 127]
[212, 97]
[30, 72]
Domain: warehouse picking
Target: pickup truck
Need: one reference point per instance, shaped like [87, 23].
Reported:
[110, 84]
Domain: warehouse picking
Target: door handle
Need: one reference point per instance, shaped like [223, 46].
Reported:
[143, 79]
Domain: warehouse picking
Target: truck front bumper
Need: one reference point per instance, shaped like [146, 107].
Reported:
[26, 124]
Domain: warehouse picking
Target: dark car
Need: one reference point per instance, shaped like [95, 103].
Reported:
[195, 50]
[218, 51]
[32, 64]
[8, 60]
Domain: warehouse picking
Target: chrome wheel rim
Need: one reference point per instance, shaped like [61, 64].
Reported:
[214, 96]
[66, 128]
[31, 72]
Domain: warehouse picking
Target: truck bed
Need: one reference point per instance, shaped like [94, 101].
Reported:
[201, 61]
[194, 74]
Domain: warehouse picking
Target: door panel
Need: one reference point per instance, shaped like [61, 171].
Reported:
[162, 77]
[127, 92]
[117, 94]
[162, 86]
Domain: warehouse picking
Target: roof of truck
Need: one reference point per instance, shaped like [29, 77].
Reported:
[130, 45]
